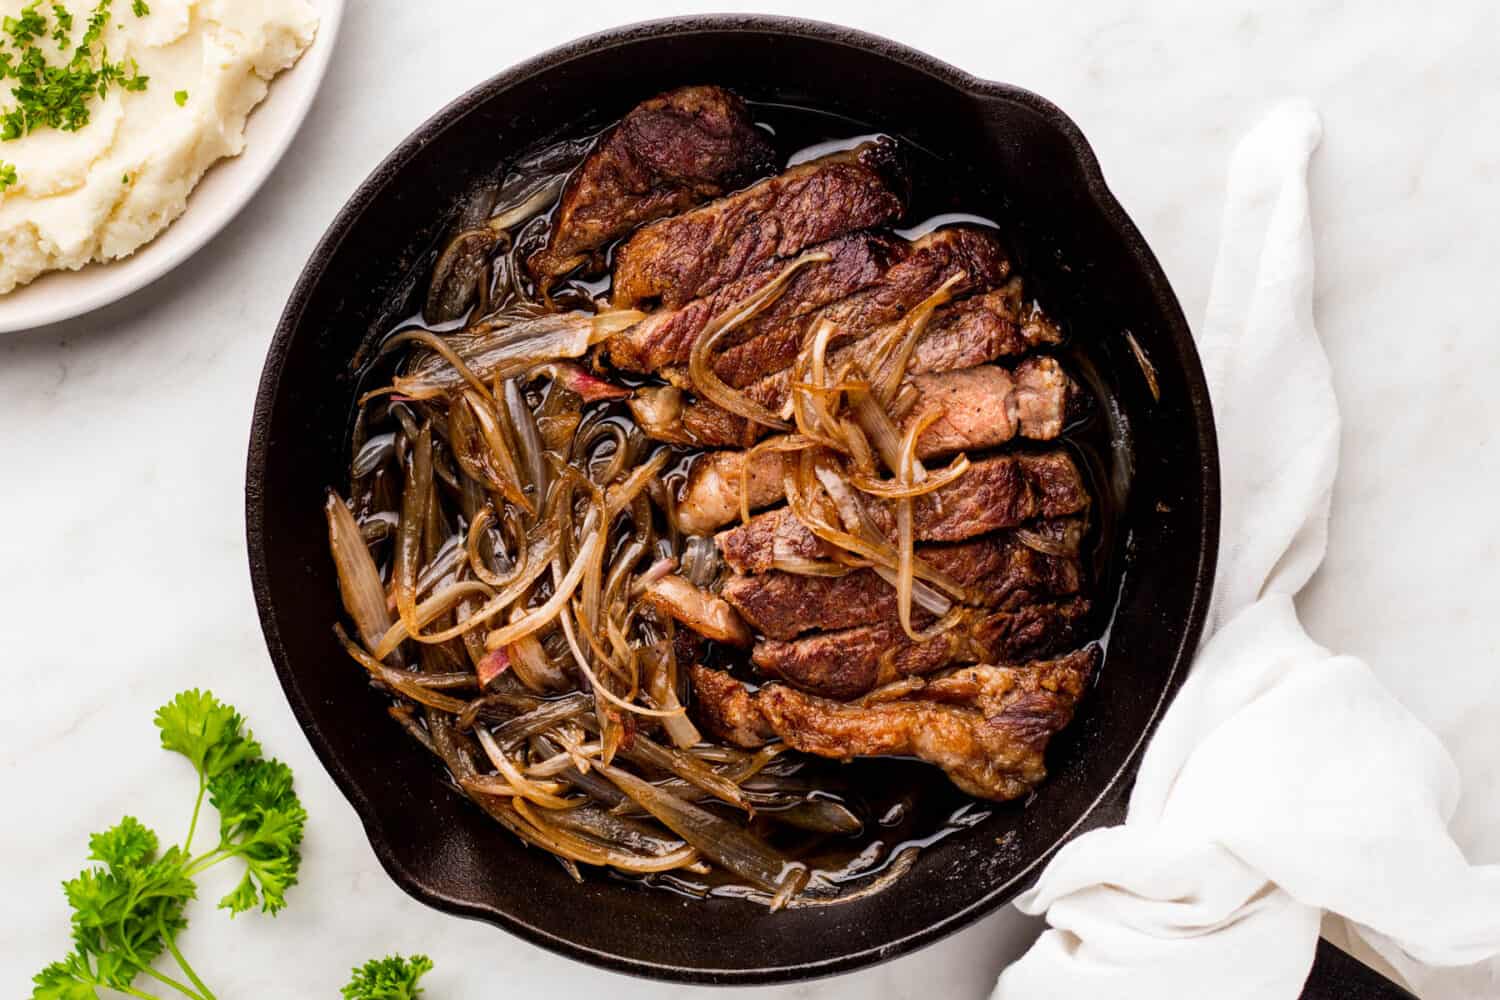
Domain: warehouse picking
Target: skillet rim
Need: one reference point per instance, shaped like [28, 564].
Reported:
[1107, 805]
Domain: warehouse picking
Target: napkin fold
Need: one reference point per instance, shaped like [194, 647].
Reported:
[1284, 780]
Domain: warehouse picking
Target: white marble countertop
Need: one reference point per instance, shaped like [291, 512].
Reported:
[123, 438]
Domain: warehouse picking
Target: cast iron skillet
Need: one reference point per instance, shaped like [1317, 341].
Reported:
[1025, 163]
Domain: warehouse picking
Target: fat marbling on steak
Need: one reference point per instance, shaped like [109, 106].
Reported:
[668, 154]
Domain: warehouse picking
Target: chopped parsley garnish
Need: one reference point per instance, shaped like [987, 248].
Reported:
[28, 27]
[55, 90]
[7, 174]
[64, 25]
[139, 8]
[180, 97]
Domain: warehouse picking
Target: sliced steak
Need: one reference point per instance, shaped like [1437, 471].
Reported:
[997, 492]
[987, 727]
[668, 154]
[727, 709]
[973, 331]
[666, 337]
[777, 534]
[1004, 569]
[981, 328]
[675, 260]
[975, 257]
[850, 662]
[981, 407]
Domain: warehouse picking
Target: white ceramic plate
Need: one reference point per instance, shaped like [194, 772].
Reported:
[224, 190]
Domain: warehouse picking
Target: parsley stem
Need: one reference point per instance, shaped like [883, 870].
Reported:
[132, 991]
[206, 861]
[182, 988]
[182, 962]
[187, 844]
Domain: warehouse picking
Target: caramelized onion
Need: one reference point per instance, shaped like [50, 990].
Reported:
[497, 603]
[544, 615]
[359, 580]
[705, 381]
[509, 349]
[732, 846]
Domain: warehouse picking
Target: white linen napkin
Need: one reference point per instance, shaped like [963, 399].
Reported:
[1284, 780]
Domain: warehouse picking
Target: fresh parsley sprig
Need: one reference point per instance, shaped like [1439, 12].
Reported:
[129, 908]
[389, 978]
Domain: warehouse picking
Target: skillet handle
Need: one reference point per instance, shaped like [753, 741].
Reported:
[1337, 975]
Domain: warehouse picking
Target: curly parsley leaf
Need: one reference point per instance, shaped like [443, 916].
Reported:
[70, 979]
[7, 174]
[124, 845]
[206, 731]
[261, 822]
[389, 978]
[139, 8]
[125, 914]
[129, 908]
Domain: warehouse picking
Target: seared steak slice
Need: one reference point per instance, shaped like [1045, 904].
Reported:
[666, 337]
[982, 407]
[727, 709]
[974, 256]
[710, 496]
[981, 328]
[675, 597]
[678, 259]
[962, 334]
[987, 727]
[1003, 568]
[676, 150]
[777, 534]
[850, 662]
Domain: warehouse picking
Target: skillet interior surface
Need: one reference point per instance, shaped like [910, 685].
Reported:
[1022, 162]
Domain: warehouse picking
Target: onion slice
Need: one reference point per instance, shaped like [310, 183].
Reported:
[726, 843]
[543, 616]
[359, 580]
[705, 381]
[510, 349]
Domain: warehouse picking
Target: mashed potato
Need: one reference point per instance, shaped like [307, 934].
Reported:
[101, 192]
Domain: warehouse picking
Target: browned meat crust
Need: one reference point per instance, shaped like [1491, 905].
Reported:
[677, 259]
[850, 662]
[1002, 491]
[670, 153]
[987, 727]
[727, 709]
[666, 337]
[1006, 571]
